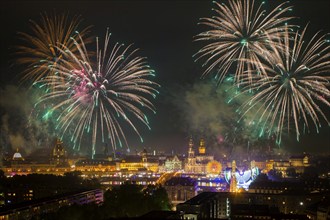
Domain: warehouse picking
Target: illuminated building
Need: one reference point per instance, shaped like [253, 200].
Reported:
[137, 177]
[172, 164]
[132, 163]
[191, 160]
[140, 168]
[298, 163]
[197, 163]
[202, 156]
[94, 167]
[180, 189]
[138, 163]
[262, 165]
[201, 148]
[17, 160]
[18, 195]
[269, 165]
[17, 156]
[55, 164]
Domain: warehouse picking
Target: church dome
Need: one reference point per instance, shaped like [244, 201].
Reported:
[17, 156]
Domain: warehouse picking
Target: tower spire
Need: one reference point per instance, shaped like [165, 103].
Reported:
[201, 148]
[233, 180]
[191, 152]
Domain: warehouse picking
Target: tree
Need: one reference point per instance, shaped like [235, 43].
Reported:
[291, 172]
[310, 172]
[81, 212]
[274, 175]
[158, 198]
[261, 178]
[131, 200]
[73, 177]
[2, 179]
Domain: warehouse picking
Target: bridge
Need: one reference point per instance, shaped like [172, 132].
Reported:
[166, 176]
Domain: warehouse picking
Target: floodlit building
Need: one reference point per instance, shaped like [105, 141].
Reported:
[56, 163]
[94, 167]
[142, 162]
[180, 189]
[298, 163]
[197, 163]
[172, 164]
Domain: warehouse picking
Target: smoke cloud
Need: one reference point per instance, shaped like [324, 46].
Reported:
[210, 111]
[20, 127]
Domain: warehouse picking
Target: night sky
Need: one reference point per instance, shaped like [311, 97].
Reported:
[163, 30]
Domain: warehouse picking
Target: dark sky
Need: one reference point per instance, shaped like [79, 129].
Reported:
[163, 30]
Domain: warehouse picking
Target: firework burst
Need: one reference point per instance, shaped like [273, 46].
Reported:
[295, 87]
[41, 46]
[97, 97]
[238, 32]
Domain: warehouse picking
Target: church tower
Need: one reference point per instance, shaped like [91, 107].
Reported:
[191, 160]
[59, 154]
[144, 154]
[191, 152]
[201, 148]
[233, 180]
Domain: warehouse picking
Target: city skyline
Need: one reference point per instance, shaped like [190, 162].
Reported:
[164, 33]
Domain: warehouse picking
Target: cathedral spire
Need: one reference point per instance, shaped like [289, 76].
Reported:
[191, 152]
[191, 142]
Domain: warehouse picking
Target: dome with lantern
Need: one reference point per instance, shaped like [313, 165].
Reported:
[17, 155]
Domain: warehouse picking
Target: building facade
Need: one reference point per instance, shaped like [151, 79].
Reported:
[180, 189]
[48, 205]
[197, 163]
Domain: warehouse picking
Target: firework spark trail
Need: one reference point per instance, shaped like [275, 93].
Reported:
[297, 80]
[238, 32]
[94, 97]
[40, 46]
